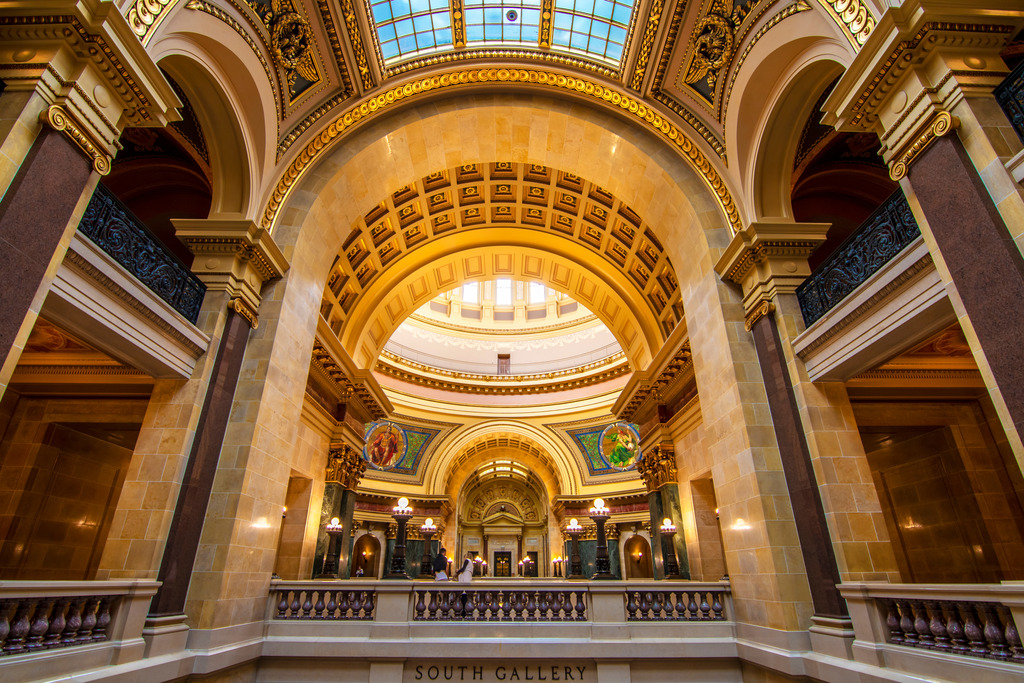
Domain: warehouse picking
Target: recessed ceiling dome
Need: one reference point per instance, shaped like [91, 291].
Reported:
[504, 333]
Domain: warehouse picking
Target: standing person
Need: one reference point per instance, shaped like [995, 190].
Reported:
[465, 574]
[441, 566]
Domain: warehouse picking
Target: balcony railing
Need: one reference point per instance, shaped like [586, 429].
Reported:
[116, 230]
[1010, 96]
[905, 626]
[42, 620]
[889, 229]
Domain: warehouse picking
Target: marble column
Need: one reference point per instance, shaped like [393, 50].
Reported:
[345, 467]
[658, 470]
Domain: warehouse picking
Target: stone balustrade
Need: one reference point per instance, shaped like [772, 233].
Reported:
[904, 626]
[41, 620]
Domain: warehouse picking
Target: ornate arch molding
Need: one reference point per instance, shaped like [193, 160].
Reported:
[455, 461]
[394, 98]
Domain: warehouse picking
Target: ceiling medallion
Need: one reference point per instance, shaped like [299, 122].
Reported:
[620, 446]
[385, 445]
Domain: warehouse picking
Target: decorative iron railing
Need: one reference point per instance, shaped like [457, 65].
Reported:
[889, 229]
[1010, 96]
[116, 230]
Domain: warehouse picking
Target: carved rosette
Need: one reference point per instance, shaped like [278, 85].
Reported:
[658, 467]
[345, 466]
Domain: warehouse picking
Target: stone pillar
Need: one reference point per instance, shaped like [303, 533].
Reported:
[927, 93]
[345, 467]
[234, 259]
[658, 470]
[63, 107]
[769, 260]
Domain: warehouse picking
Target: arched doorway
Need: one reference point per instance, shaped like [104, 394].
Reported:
[637, 558]
[366, 556]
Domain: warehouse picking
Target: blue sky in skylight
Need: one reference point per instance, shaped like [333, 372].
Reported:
[593, 28]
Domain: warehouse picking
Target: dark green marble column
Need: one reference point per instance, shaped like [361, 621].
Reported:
[658, 559]
[672, 509]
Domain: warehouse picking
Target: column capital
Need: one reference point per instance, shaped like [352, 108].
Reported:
[91, 73]
[769, 258]
[920, 62]
[658, 467]
[345, 466]
[233, 256]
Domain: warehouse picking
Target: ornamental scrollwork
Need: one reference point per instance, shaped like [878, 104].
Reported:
[291, 43]
[715, 41]
[345, 466]
[658, 467]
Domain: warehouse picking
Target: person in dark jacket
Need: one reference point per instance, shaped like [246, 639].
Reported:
[441, 566]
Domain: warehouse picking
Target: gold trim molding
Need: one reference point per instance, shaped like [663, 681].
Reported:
[61, 120]
[940, 126]
[853, 17]
[389, 99]
[658, 467]
[647, 43]
[765, 308]
[242, 308]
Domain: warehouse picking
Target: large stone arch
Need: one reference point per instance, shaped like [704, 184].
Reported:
[231, 96]
[788, 69]
[643, 170]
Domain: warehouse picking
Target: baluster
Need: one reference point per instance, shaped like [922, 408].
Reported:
[1011, 634]
[484, 612]
[368, 604]
[691, 606]
[74, 622]
[506, 606]
[318, 606]
[531, 605]
[102, 619]
[955, 629]
[907, 623]
[581, 605]
[994, 632]
[295, 604]
[432, 606]
[679, 609]
[88, 621]
[716, 604]
[924, 632]
[558, 606]
[282, 605]
[516, 602]
[705, 608]
[646, 598]
[543, 604]
[57, 623]
[892, 620]
[5, 624]
[19, 628]
[492, 606]
[472, 604]
[420, 605]
[656, 605]
[307, 604]
[973, 631]
[344, 603]
[937, 625]
[356, 600]
[446, 600]
[631, 605]
[39, 625]
[332, 604]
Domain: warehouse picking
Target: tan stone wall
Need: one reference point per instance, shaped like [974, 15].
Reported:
[62, 466]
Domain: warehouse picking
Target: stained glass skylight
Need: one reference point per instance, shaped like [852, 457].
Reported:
[594, 29]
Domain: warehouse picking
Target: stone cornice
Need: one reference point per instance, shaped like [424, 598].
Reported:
[233, 256]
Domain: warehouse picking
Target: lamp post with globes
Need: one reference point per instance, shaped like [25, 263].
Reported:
[330, 568]
[600, 514]
[575, 565]
[426, 566]
[668, 531]
[402, 514]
